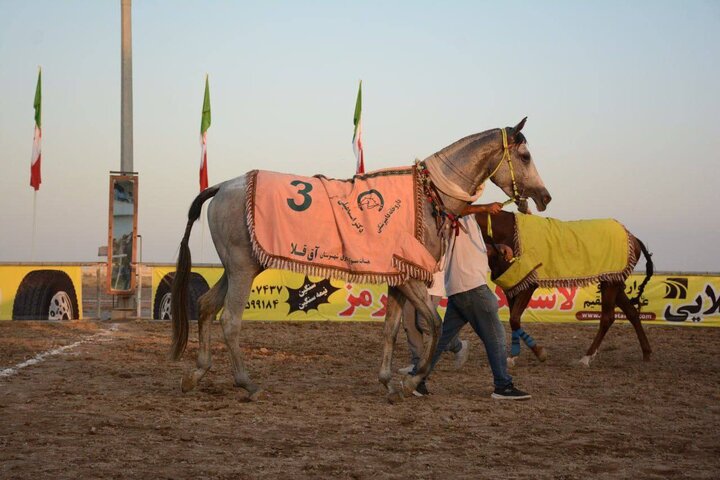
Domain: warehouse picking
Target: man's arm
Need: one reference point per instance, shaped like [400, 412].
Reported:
[491, 208]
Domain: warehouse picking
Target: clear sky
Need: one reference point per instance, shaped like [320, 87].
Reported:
[622, 99]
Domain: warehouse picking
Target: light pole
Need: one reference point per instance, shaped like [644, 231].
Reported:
[124, 299]
[126, 105]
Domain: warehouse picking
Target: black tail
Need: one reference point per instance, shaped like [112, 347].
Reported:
[179, 292]
[648, 273]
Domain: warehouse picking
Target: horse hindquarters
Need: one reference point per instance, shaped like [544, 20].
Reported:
[227, 219]
[631, 307]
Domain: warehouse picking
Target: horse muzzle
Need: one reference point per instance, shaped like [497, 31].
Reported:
[541, 198]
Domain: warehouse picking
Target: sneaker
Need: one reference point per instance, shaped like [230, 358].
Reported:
[406, 370]
[510, 393]
[421, 390]
[462, 356]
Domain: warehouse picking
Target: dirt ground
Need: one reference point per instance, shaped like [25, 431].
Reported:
[111, 407]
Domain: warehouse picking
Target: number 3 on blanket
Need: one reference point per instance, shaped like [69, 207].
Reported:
[307, 199]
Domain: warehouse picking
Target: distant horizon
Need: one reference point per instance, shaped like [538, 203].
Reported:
[621, 100]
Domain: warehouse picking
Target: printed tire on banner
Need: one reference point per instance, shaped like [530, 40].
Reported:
[46, 295]
[163, 298]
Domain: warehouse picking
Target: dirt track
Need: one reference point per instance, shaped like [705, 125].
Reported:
[112, 408]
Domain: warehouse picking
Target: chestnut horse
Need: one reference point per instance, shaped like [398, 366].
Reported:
[502, 228]
[453, 176]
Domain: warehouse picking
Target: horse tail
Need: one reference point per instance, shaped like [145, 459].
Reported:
[179, 293]
[649, 270]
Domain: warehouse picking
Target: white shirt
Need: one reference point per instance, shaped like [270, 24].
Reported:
[468, 264]
[438, 288]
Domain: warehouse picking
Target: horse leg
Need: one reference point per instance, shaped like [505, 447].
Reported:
[395, 303]
[210, 304]
[634, 316]
[608, 295]
[416, 292]
[239, 286]
[517, 305]
[514, 327]
[414, 335]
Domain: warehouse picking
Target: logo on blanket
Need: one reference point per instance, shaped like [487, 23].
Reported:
[370, 199]
[310, 295]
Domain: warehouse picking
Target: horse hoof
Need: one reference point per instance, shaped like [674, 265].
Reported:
[253, 395]
[188, 382]
[540, 353]
[394, 397]
[407, 387]
[385, 380]
[585, 361]
[511, 361]
[647, 357]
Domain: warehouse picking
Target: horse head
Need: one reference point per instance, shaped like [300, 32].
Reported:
[501, 155]
[516, 173]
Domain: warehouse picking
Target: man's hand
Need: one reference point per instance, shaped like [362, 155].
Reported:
[493, 208]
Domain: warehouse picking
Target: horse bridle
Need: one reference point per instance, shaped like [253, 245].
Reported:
[506, 156]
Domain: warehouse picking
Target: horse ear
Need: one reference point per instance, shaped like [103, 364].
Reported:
[516, 129]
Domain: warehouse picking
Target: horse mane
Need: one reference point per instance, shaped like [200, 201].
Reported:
[466, 141]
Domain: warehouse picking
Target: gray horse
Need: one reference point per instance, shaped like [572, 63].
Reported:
[453, 175]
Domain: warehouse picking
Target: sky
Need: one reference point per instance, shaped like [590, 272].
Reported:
[621, 98]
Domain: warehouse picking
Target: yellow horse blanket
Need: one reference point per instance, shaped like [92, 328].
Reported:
[575, 253]
[368, 229]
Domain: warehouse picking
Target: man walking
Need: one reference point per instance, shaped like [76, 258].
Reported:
[471, 301]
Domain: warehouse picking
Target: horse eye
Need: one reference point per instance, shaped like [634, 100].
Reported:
[525, 157]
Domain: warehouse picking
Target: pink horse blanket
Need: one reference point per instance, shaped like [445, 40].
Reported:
[368, 229]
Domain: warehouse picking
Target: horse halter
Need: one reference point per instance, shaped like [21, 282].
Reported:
[506, 157]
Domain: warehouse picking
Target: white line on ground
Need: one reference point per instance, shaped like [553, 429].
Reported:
[9, 372]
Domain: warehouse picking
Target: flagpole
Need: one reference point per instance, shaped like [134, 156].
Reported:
[32, 247]
[204, 125]
[202, 235]
[202, 217]
[357, 133]
[35, 176]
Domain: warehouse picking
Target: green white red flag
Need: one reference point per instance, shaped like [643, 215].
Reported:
[35, 177]
[357, 134]
[204, 125]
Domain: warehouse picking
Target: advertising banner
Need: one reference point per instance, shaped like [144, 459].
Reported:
[669, 299]
[285, 295]
[40, 292]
